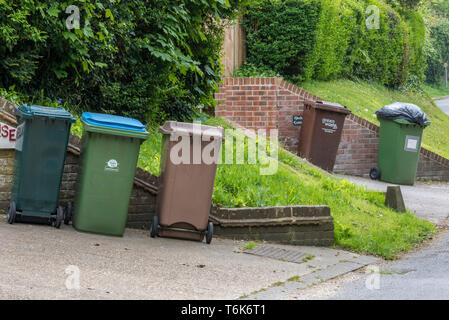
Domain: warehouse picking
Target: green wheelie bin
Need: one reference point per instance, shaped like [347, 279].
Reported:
[41, 146]
[399, 143]
[109, 152]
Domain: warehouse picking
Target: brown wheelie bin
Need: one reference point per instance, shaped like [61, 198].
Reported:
[189, 160]
[321, 132]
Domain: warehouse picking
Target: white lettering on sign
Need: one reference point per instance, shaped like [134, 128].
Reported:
[330, 126]
[7, 136]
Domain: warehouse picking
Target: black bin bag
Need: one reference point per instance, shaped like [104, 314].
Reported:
[404, 111]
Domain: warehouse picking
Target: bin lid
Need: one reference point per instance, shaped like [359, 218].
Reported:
[330, 106]
[184, 128]
[115, 125]
[47, 112]
[114, 122]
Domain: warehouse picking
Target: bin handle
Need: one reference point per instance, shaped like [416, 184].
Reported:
[164, 131]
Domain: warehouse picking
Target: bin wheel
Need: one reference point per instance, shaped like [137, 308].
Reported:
[11, 215]
[59, 217]
[374, 174]
[68, 213]
[209, 232]
[154, 227]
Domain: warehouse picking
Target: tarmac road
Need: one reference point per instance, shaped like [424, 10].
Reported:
[443, 104]
[419, 276]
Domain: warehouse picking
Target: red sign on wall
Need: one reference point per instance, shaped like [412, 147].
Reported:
[7, 136]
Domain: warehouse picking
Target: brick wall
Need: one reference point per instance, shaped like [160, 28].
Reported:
[357, 152]
[296, 225]
[270, 103]
[263, 103]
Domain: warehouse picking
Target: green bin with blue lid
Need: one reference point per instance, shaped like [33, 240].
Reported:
[41, 147]
[109, 152]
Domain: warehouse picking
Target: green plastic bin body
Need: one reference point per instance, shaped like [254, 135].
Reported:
[399, 148]
[108, 160]
[41, 147]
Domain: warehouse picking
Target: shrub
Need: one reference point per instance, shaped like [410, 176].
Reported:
[145, 59]
[417, 38]
[335, 43]
[249, 70]
[383, 54]
[324, 39]
[436, 15]
[281, 34]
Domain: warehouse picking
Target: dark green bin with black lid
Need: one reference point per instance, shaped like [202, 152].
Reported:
[109, 153]
[41, 146]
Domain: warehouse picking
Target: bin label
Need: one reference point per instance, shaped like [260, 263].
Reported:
[411, 144]
[112, 165]
[330, 126]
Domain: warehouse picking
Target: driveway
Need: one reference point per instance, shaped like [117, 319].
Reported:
[443, 104]
[427, 200]
[37, 262]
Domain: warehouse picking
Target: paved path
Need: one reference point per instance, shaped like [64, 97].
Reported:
[443, 104]
[34, 260]
[428, 200]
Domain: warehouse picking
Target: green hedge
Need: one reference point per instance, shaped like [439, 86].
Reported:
[281, 34]
[328, 39]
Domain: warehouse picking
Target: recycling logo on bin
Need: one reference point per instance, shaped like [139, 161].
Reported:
[112, 165]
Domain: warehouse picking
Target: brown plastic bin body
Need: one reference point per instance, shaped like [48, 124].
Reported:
[321, 133]
[185, 189]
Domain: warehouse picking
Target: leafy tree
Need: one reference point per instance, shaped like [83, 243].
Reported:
[146, 59]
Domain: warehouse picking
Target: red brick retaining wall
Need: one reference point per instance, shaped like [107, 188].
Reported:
[263, 103]
[270, 103]
[357, 152]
